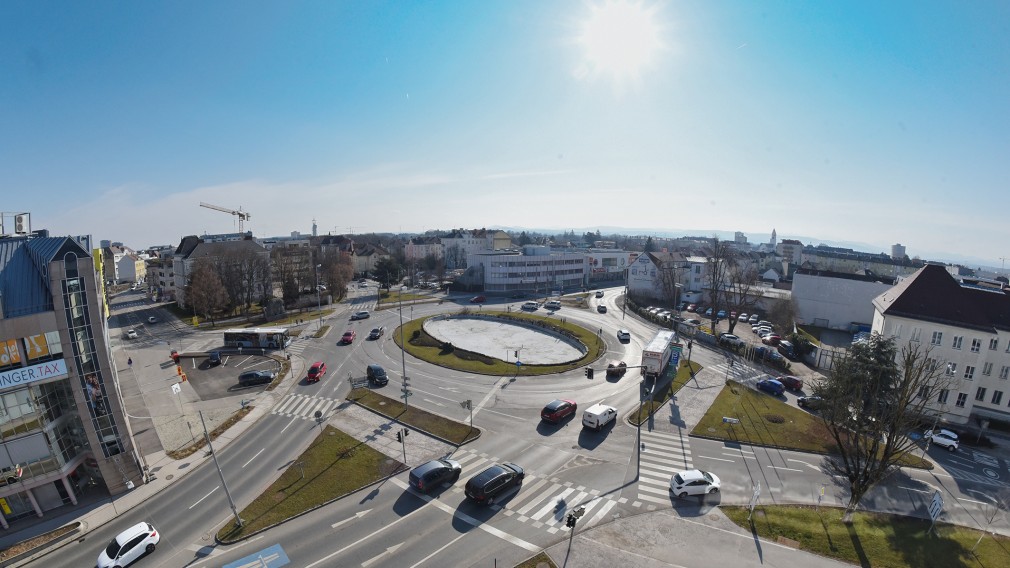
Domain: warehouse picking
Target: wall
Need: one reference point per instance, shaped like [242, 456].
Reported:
[840, 301]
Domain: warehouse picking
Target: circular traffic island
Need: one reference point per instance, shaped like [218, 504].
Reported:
[489, 343]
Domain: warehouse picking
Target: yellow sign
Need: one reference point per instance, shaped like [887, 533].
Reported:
[9, 353]
[3, 505]
[36, 346]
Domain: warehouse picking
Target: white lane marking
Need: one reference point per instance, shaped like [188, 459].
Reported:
[204, 497]
[388, 552]
[325, 559]
[783, 468]
[254, 457]
[433, 402]
[913, 489]
[492, 392]
[447, 545]
[720, 459]
[289, 424]
[974, 501]
[471, 521]
[356, 516]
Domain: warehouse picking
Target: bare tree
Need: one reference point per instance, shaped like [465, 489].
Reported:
[205, 293]
[717, 270]
[743, 290]
[338, 270]
[873, 399]
[455, 257]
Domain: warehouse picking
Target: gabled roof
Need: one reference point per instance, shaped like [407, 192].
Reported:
[24, 272]
[932, 294]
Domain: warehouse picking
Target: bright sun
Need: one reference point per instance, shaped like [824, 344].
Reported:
[620, 39]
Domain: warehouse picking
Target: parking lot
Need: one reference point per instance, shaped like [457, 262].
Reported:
[219, 381]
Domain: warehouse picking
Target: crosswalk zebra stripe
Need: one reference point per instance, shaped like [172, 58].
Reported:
[537, 498]
[529, 491]
[552, 504]
[607, 506]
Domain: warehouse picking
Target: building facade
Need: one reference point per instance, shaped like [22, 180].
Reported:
[537, 269]
[62, 428]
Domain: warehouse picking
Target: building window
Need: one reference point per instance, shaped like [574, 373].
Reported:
[997, 397]
[976, 345]
[915, 334]
[957, 342]
[993, 344]
[937, 338]
[897, 330]
[923, 391]
[987, 369]
[942, 398]
[951, 369]
[1004, 372]
[969, 372]
[961, 399]
[980, 393]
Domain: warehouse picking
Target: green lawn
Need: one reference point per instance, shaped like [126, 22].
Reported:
[660, 397]
[873, 539]
[767, 421]
[334, 465]
[394, 297]
[455, 432]
[427, 349]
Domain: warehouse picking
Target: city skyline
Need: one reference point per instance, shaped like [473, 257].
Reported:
[866, 123]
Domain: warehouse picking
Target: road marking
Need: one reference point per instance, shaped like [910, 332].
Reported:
[783, 468]
[447, 545]
[433, 402]
[720, 459]
[974, 501]
[487, 397]
[363, 539]
[913, 489]
[254, 457]
[470, 520]
[289, 424]
[204, 497]
[356, 516]
[388, 552]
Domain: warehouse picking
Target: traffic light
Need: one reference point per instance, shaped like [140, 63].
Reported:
[517, 354]
[399, 436]
[586, 372]
[570, 523]
[589, 372]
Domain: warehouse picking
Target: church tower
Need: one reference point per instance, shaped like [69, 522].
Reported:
[774, 240]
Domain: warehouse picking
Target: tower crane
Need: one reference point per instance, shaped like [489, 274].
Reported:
[243, 216]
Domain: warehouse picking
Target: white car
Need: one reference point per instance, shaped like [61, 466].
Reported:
[730, 339]
[694, 482]
[943, 438]
[131, 544]
[363, 314]
[131, 334]
[152, 319]
[742, 317]
[623, 335]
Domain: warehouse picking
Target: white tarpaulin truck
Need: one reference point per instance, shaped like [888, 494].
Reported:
[656, 354]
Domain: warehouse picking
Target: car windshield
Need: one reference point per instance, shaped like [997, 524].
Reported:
[707, 476]
[113, 549]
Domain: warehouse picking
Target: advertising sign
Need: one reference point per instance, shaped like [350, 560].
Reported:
[9, 353]
[25, 375]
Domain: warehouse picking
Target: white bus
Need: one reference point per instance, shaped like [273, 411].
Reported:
[257, 337]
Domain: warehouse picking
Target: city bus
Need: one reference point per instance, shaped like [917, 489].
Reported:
[257, 337]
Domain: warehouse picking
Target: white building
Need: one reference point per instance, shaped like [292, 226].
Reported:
[606, 265]
[836, 300]
[966, 325]
[419, 248]
[535, 269]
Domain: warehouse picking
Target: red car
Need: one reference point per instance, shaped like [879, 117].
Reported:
[558, 410]
[790, 382]
[478, 300]
[316, 372]
[348, 337]
[692, 307]
[771, 339]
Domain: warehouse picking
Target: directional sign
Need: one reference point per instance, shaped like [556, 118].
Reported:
[273, 557]
[519, 363]
[936, 505]
[176, 389]
[406, 394]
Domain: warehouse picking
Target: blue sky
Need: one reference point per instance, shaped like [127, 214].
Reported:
[877, 122]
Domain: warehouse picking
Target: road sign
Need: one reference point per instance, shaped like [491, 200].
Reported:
[728, 420]
[176, 389]
[272, 557]
[466, 404]
[519, 363]
[936, 505]
[406, 394]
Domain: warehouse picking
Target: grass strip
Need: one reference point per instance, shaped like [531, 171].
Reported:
[201, 441]
[335, 464]
[873, 539]
[450, 430]
[661, 396]
[541, 560]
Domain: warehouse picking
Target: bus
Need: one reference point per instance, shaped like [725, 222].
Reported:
[257, 337]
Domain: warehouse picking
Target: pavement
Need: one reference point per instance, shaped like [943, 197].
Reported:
[662, 538]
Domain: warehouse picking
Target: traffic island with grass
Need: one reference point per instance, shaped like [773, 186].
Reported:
[873, 539]
[449, 430]
[334, 465]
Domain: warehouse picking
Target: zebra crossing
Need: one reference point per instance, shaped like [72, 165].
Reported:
[304, 406]
[661, 454]
[737, 371]
[541, 501]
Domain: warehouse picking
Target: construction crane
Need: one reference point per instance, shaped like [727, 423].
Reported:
[243, 216]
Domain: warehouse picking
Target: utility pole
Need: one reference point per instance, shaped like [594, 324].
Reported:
[231, 502]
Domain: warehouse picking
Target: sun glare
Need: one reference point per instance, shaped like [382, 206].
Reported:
[620, 38]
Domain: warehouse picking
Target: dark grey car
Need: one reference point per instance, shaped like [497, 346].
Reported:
[429, 475]
[250, 378]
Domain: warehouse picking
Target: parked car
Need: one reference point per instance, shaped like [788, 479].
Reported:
[721, 314]
[790, 382]
[152, 319]
[376, 375]
[348, 337]
[810, 402]
[708, 312]
[771, 386]
[692, 307]
[786, 348]
[557, 410]
[616, 368]
[730, 339]
[214, 358]
[131, 334]
[478, 300]
[943, 438]
[762, 352]
[316, 372]
[250, 378]
[623, 335]
[694, 482]
[360, 315]
[376, 332]
[599, 293]
[487, 485]
[681, 306]
[531, 306]
[129, 545]
[770, 339]
[431, 474]
[601, 308]
[754, 318]
[742, 317]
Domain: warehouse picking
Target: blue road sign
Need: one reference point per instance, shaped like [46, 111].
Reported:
[519, 363]
[272, 557]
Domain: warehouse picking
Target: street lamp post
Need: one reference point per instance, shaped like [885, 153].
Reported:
[319, 299]
[403, 359]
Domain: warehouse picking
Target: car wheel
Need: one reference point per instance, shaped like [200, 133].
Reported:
[951, 448]
[683, 495]
[713, 490]
[150, 548]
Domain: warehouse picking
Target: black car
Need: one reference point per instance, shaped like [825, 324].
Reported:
[250, 378]
[214, 358]
[376, 332]
[376, 375]
[434, 473]
[493, 481]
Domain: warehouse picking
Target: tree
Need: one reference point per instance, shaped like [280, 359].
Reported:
[337, 272]
[717, 270]
[387, 271]
[204, 292]
[875, 396]
[523, 239]
[743, 290]
[650, 246]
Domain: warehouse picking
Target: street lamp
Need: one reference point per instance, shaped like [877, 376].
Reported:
[319, 297]
[403, 360]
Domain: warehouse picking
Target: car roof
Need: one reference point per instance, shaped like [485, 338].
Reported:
[125, 536]
[691, 475]
[558, 403]
[318, 364]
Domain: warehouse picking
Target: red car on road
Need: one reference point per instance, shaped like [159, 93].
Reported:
[316, 372]
[478, 300]
[348, 337]
[558, 410]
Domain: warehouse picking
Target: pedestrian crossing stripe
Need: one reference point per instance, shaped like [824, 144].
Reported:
[303, 406]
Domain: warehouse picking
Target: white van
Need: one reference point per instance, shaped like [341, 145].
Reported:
[553, 305]
[531, 306]
[597, 416]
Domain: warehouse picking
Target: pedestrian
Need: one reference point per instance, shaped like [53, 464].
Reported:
[129, 361]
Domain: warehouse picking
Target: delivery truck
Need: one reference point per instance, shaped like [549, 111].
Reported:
[656, 355]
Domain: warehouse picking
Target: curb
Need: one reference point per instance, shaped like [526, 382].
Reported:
[439, 438]
[44, 549]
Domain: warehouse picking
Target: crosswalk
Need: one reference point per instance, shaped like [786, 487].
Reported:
[737, 371]
[304, 406]
[661, 454]
[542, 502]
